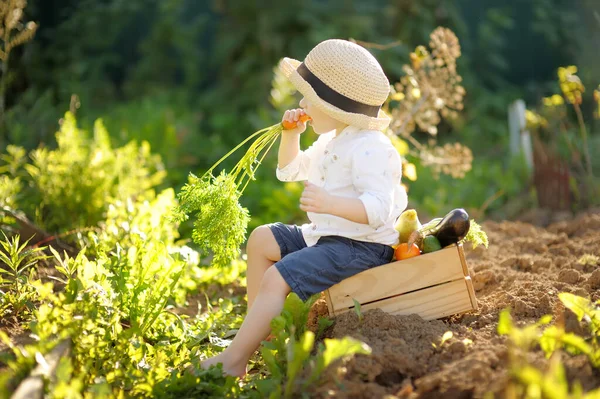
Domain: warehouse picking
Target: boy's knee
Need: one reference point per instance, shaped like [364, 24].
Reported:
[259, 234]
[263, 241]
[273, 282]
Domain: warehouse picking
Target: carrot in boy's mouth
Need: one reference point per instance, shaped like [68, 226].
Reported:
[292, 125]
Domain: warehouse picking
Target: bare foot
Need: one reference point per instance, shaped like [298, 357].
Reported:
[229, 367]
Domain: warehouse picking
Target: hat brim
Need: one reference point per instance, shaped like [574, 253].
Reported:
[288, 67]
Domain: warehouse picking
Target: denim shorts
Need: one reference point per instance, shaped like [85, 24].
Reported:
[310, 270]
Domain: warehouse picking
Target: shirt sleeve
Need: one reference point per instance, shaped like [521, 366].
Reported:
[376, 174]
[297, 170]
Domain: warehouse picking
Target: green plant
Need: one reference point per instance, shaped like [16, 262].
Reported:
[530, 382]
[554, 337]
[476, 236]
[70, 187]
[125, 339]
[288, 356]
[220, 221]
[357, 311]
[557, 138]
[16, 292]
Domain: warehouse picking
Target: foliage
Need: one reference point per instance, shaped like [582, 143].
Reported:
[489, 178]
[71, 186]
[288, 355]
[554, 338]
[114, 309]
[167, 123]
[17, 293]
[557, 138]
[221, 221]
[530, 382]
[476, 235]
[430, 87]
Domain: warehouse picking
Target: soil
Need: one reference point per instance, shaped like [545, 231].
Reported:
[524, 268]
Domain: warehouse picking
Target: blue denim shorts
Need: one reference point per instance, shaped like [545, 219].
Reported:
[310, 270]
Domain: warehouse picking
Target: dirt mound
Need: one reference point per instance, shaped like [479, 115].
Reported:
[524, 268]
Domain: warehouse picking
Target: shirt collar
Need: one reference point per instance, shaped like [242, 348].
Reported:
[348, 129]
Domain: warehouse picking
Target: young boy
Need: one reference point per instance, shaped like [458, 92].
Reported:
[352, 192]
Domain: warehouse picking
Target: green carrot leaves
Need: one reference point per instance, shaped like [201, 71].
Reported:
[220, 221]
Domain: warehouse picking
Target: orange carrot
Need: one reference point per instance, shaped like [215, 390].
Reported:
[292, 125]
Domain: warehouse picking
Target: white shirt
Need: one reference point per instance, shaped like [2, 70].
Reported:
[359, 164]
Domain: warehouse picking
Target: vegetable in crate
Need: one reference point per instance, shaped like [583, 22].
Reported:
[431, 244]
[406, 251]
[449, 230]
[221, 222]
[407, 222]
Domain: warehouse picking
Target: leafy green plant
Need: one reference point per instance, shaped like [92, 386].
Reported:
[16, 261]
[220, 221]
[289, 358]
[357, 311]
[125, 340]
[70, 187]
[476, 235]
[527, 380]
[445, 338]
[554, 337]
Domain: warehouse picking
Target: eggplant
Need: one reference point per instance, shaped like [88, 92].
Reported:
[452, 228]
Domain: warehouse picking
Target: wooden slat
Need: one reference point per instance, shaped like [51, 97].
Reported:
[463, 260]
[329, 304]
[397, 278]
[471, 292]
[430, 303]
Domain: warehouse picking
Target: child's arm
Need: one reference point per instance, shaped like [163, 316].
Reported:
[318, 200]
[376, 173]
[292, 163]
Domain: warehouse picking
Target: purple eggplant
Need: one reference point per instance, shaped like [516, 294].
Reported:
[452, 228]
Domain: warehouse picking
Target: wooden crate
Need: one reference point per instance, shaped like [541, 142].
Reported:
[431, 285]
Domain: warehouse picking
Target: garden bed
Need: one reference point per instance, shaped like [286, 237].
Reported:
[524, 268]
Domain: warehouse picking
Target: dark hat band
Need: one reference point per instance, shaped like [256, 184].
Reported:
[331, 96]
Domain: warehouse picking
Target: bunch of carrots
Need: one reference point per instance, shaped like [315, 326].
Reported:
[220, 221]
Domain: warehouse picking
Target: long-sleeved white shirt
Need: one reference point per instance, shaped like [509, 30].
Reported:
[359, 164]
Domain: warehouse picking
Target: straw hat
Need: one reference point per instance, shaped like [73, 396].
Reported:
[343, 80]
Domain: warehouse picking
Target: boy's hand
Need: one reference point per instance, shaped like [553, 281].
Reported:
[293, 115]
[315, 199]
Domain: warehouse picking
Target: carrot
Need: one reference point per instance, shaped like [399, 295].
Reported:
[292, 125]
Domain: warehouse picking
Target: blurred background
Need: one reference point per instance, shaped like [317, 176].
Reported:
[195, 77]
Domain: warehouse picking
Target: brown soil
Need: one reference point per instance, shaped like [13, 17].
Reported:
[524, 268]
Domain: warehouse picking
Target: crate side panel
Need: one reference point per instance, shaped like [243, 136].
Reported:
[430, 303]
[397, 278]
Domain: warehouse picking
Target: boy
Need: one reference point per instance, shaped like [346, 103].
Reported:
[352, 192]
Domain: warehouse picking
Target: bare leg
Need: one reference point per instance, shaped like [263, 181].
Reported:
[263, 251]
[257, 325]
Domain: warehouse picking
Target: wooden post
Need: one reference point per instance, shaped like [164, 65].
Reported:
[520, 139]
